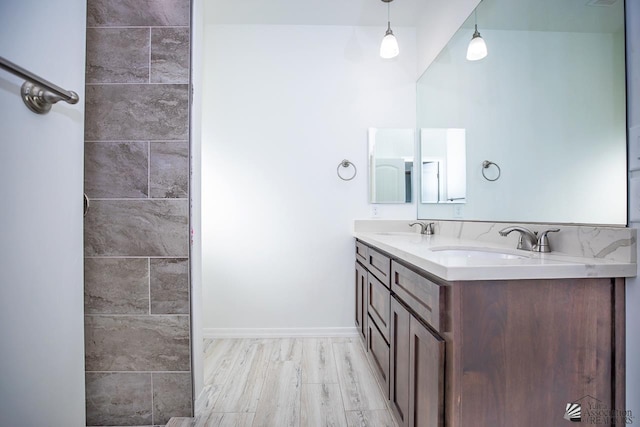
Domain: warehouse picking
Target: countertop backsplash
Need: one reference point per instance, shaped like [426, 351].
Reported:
[589, 241]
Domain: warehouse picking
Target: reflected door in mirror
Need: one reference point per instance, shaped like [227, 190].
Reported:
[391, 157]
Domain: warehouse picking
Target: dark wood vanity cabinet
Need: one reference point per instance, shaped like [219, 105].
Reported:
[496, 353]
[361, 301]
[373, 299]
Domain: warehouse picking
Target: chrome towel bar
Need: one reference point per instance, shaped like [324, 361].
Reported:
[37, 93]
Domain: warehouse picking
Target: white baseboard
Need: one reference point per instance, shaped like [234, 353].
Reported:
[279, 332]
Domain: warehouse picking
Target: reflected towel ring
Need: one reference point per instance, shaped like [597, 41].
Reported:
[485, 165]
[345, 164]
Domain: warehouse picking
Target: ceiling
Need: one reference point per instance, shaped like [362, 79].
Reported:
[310, 12]
[523, 15]
[550, 15]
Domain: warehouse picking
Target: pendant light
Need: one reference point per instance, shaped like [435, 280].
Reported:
[389, 46]
[477, 47]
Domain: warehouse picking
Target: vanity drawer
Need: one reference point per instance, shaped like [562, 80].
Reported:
[379, 304]
[361, 252]
[423, 296]
[379, 265]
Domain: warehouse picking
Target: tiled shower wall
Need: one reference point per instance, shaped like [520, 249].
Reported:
[137, 310]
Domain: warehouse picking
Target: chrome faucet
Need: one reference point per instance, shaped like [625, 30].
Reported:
[424, 228]
[529, 240]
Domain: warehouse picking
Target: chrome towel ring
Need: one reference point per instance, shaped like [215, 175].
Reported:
[485, 165]
[345, 164]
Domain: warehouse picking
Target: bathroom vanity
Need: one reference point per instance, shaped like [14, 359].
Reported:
[466, 333]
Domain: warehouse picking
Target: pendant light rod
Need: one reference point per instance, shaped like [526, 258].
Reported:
[388, 2]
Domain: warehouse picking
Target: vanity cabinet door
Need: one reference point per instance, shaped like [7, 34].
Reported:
[378, 304]
[399, 364]
[378, 354]
[426, 376]
[361, 301]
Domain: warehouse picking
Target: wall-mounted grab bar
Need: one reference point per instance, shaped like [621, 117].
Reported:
[37, 93]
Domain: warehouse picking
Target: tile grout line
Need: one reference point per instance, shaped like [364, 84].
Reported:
[150, 35]
[138, 27]
[138, 199]
[134, 257]
[135, 83]
[152, 411]
[145, 315]
[138, 372]
[120, 141]
[148, 169]
[149, 282]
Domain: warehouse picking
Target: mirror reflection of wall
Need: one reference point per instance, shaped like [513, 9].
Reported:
[547, 104]
[391, 157]
[444, 166]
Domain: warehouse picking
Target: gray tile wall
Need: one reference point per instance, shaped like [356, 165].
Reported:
[137, 302]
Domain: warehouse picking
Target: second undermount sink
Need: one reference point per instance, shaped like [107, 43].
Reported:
[478, 253]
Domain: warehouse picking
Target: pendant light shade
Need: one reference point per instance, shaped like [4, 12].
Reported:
[477, 47]
[389, 46]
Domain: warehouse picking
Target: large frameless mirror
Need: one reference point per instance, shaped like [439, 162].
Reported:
[544, 115]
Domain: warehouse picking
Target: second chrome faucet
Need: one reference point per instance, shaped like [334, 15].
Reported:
[424, 228]
[530, 240]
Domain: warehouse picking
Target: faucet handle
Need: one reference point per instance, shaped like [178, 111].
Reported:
[543, 241]
[429, 228]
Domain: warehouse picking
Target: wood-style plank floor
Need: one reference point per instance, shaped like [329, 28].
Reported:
[289, 382]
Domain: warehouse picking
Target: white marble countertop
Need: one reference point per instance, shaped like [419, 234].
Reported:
[424, 252]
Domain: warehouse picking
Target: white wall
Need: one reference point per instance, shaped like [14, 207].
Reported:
[41, 284]
[580, 150]
[282, 107]
[633, 285]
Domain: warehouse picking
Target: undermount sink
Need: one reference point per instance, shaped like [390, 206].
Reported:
[477, 253]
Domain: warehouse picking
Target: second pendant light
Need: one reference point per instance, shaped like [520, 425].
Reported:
[389, 46]
[477, 48]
